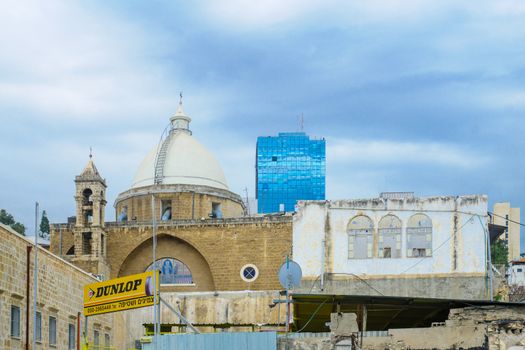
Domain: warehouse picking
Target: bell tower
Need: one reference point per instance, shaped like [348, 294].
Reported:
[89, 234]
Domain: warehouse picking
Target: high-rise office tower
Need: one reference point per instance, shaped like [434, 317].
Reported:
[289, 167]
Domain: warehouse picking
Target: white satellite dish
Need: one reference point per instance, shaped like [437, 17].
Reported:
[290, 275]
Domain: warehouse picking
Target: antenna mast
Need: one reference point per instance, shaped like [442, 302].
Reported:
[247, 201]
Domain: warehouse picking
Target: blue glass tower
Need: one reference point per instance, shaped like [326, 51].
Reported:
[289, 167]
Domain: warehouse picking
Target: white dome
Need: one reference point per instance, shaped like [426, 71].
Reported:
[187, 162]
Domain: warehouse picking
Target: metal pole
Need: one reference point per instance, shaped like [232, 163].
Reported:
[179, 315]
[154, 226]
[35, 276]
[323, 243]
[60, 246]
[287, 296]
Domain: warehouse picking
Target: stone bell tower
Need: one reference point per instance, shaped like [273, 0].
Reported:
[89, 234]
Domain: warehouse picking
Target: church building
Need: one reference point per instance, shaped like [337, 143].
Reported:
[205, 240]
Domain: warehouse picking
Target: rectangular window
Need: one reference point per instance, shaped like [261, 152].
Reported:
[71, 337]
[96, 338]
[38, 326]
[86, 243]
[52, 330]
[15, 321]
[107, 340]
[166, 211]
[216, 211]
[419, 252]
[520, 270]
[419, 242]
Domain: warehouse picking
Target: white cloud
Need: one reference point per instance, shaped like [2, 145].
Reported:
[379, 152]
[62, 60]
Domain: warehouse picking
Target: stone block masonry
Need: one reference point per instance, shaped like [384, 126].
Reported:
[60, 295]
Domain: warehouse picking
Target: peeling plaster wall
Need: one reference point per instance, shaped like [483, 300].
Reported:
[458, 240]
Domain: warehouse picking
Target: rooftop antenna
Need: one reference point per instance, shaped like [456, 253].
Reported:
[247, 200]
[300, 120]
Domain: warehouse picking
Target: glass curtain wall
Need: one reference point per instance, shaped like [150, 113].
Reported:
[289, 167]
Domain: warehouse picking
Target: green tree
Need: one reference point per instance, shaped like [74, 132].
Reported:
[44, 226]
[9, 220]
[499, 254]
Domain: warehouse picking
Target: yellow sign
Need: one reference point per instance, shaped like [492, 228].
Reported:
[119, 294]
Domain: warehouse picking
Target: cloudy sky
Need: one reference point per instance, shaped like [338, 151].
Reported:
[423, 96]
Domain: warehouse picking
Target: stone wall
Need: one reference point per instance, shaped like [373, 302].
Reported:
[217, 249]
[60, 293]
[214, 250]
[187, 202]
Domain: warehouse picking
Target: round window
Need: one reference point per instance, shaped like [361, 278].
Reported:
[249, 273]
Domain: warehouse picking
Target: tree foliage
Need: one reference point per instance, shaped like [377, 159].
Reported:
[499, 253]
[44, 226]
[9, 220]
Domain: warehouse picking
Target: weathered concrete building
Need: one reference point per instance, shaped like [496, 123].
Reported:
[433, 247]
[58, 317]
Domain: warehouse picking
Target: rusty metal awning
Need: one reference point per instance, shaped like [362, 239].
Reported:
[495, 231]
[312, 311]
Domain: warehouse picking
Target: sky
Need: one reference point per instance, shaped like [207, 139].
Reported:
[422, 96]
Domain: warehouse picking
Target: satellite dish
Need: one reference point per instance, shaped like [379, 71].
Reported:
[290, 275]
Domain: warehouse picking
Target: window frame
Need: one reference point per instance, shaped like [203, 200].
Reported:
[71, 336]
[18, 330]
[96, 338]
[419, 231]
[395, 232]
[52, 335]
[249, 266]
[38, 335]
[362, 232]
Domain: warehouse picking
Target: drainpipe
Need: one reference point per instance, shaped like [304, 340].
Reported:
[27, 294]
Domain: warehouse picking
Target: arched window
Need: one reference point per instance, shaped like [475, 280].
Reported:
[389, 230]
[419, 236]
[360, 237]
[172, 271]
[86, 196]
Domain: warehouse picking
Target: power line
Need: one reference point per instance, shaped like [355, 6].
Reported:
[507, 219]
[441, 245]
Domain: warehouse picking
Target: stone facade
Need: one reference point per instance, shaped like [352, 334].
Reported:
[187, 202]
[55, 277]
[428, 247]
[214, 250]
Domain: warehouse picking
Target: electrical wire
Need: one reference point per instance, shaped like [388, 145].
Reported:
[313, 315]
[507, 219]
[441, 245]
[361, 279]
